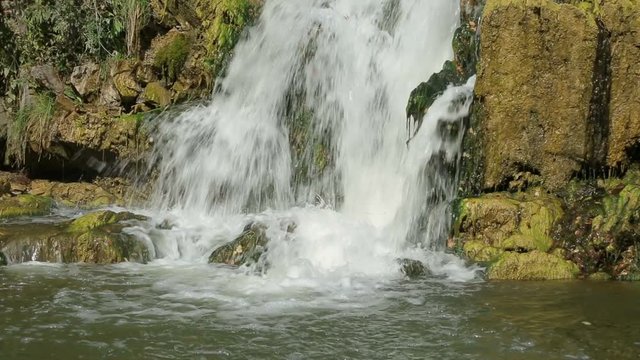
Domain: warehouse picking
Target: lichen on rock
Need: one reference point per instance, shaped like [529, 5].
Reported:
[533, 265]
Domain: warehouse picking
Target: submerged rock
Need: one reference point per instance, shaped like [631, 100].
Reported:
[534, 265]
[246, 248]
[95, 238]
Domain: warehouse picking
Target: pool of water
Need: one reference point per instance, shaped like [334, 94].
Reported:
[186, 311]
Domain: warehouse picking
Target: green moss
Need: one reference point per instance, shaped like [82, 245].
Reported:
[25, 205]
[223, 22]
[108, 247]
[156, 95]
[99, 219]
[534, 265]
[478, 251]
[600, 276]
[171, 58]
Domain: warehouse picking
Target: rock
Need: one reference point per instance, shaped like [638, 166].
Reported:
[109, 95]
[3, 260]
[534, 265]
[95, 238]
[86, 79]
[25, 205]
[47, 77]
[535, 89]
[621, 19]
[169, 53]
[245, 249]
[125, 81]
[520, 222]
[12, 183]
[155, 95]
[100, 219]
[600, 276]
[83, 195]
[413, 268]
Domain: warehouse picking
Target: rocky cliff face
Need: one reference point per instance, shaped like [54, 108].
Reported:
[554, 131]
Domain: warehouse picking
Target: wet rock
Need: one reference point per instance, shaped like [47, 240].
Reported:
[86, 79]
[25, 205]
[535, 88]
[96, 238]
[413, 268]
[245, 249]
[533, 265]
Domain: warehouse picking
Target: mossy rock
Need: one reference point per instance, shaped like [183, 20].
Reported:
[81, 195]
[523, 221]
[599, 276]
[96, 238]
[534, 265]
[245, 249]
[25, 205]
[477, 251]
[171, 57]
[99, 219]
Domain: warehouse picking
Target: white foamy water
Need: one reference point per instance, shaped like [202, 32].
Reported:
[338, 74]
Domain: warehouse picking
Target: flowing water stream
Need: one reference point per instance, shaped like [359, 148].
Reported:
[308, 128]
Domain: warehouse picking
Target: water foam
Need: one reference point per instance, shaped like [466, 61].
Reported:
[346, 68]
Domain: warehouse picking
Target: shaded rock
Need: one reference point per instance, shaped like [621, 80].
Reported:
[535, 88]
[3, 260]
[13, 183]
[169, 53]
[413, 268]
[47, 77]
[155, 95]
[86, 79]
[25, 205]
[534, 265]
[245, 249]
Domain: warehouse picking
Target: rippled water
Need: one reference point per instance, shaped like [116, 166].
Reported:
[172, 311]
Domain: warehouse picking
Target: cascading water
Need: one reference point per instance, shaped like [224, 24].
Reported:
[308, 126]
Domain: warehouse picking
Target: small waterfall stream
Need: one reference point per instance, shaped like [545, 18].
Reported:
[308, 126]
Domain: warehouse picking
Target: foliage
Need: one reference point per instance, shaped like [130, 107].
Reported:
[34, 118]
[8, 56]
[135, 15]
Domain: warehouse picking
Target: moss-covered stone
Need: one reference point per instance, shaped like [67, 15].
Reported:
[478, 251]
[96, 238]
[25, 205]
[171, 57]
[521, 221]
[245, 249]
[99, 219]
[534, 265]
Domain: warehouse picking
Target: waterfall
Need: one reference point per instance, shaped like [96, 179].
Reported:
[309, 125]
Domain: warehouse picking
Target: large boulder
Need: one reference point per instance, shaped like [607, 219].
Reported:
[534, 89]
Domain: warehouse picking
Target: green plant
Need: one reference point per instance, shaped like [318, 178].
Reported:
[135, 15]
[103, 30]
[31, 121]
[9, 61]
